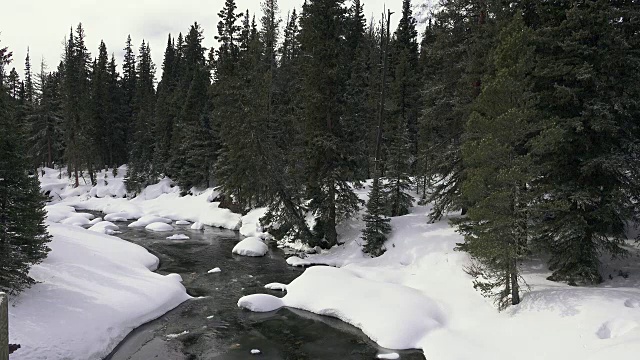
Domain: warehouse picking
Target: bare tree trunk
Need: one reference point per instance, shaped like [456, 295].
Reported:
[4, 327]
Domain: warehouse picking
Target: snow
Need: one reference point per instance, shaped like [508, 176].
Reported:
[160, 200]
[276, 286]
[178, 237]
[149, 219]
[388, 356]
[408, 317]
[92, 290]
[159, 226]
[120, 217]
[104, 227]
[251, 246]
[214, 270]
[173, 336]
[296, 261]
[182, 222]
[260, 302]
[251, 224]
[197, 226]
[417, 295]
[255, 352]
[76, 220]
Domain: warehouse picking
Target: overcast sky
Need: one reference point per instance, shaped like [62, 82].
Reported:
[43, 24]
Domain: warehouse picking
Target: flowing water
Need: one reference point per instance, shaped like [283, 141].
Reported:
[211, 326]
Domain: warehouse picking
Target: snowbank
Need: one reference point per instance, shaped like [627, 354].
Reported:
[393, 316]
[251, 246]
[93, 290]
[159, 200]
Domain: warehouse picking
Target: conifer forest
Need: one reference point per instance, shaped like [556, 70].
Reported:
[516, 124]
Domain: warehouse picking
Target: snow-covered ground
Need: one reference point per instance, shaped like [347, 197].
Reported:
[93, 290]
[417, 295]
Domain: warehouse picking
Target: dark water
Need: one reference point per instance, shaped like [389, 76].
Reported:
[217, 328]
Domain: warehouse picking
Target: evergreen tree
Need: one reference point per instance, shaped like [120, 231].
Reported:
[45, 122]
[498, 169]
[166, 111]
[102, 115]
[23, 235]
[376, 223]
[322, 40]
[79, 151]
[140, 171]
[587, 148]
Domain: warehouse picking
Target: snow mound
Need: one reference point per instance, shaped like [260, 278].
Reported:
[159, 226]
[251, 223]
[214, 270]
[255, 352]
[391, 356]
[58, 212]
[182, 222]
[104, 227]
[407, 318]
[178, 237]
[95, 221]
[119, 217]
[632, 303]
[149, 219]
[276, 286]
[615, 328]
[296, 261]
[260, 303]
[76, 220]
[92, 290]
[197, 226]
[251, 246]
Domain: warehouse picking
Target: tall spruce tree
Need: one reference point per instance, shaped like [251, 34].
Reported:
[499, 168]
[141, 172]
[23, 235]
[587, 149]
[322, 41]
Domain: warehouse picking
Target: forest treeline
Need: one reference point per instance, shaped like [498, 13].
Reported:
[522, 114]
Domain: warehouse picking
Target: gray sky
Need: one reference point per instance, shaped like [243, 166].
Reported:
[43, 24]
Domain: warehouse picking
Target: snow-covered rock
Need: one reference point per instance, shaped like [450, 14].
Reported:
[104, 227]
[260, 303]
[92, 290]
[159, 226]
[251, 223]
[76, 220]
[255, 352]
[251, 246]
[214, 270]
[296, 261]
[276, 286]
[119, 217]
[178, 237]
[149, 219]
[197, 226]
[182, 222]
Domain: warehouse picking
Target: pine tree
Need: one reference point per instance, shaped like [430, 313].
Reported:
[23, 235]
[140, 171]
[498, 169]
[46, 121]
[166, 112]
[79, 151]
[102, 115]
[376, 223]
[587, 148]
[322, 40]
